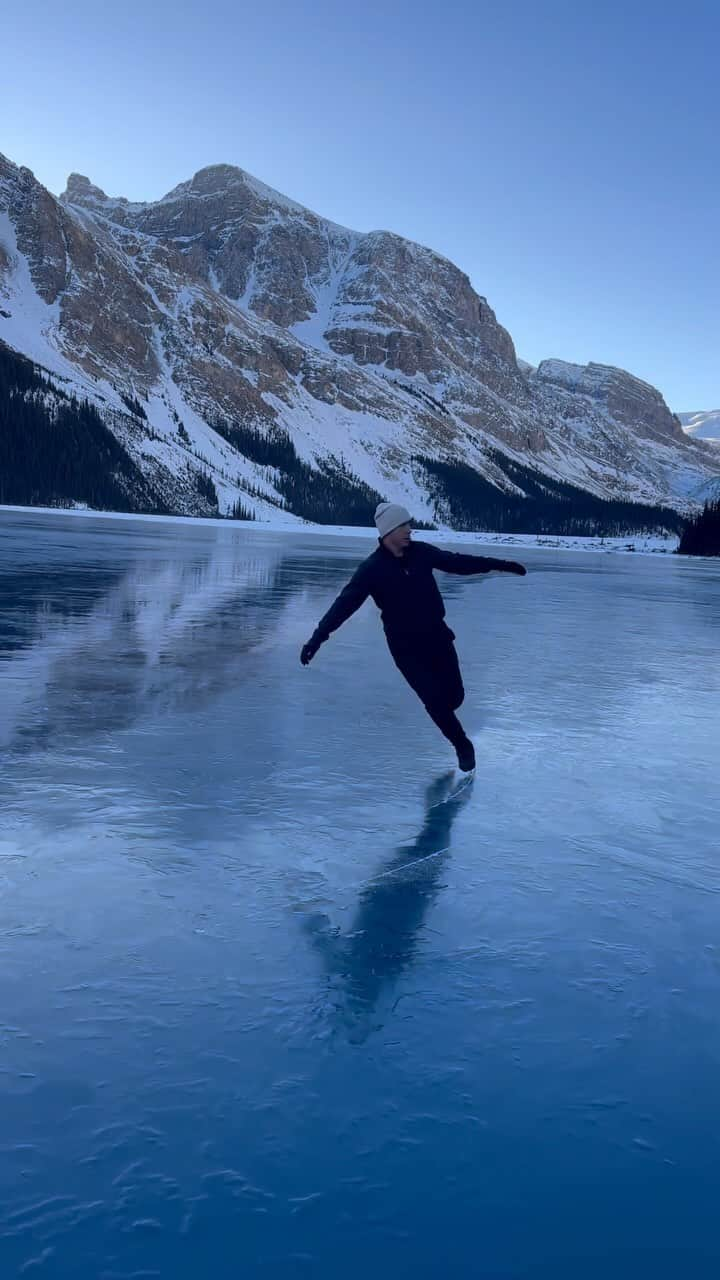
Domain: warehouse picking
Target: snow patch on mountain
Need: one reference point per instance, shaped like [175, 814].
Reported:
[324, 289]
[702, 425]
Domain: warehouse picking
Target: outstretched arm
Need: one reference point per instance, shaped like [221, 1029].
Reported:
[458, 562]
[347, 603]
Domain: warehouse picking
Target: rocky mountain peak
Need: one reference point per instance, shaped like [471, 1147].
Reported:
[374, 297]
[80, 190]
[229, 182]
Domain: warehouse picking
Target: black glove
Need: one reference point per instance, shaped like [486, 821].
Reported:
[308, 651]
[511, 566]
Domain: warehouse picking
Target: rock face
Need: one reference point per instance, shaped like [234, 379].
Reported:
[226, 309]
[378, 298]
[625, 399]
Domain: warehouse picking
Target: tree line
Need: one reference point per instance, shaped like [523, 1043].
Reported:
[701, 537]
[467, 500]
[56, 450]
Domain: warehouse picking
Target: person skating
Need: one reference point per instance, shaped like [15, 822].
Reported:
[399, 578]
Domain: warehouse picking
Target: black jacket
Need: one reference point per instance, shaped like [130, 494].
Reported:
[404, 591]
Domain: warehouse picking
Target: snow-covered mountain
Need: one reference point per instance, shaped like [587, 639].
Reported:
[226, 334]
[704, 425]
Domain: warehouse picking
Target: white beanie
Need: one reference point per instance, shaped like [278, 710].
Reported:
[389, 516]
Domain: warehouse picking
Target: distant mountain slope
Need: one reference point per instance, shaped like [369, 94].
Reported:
[704, 425]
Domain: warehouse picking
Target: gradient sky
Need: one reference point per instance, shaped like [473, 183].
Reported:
[564, 155]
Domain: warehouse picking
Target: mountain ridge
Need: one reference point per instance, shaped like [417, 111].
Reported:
[236, 313]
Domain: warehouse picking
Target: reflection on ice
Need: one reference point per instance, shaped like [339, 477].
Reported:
[143, 640]
[392, 906]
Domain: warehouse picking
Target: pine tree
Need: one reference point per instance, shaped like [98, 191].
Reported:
[205, 486]
[240, 512]
[702, 535]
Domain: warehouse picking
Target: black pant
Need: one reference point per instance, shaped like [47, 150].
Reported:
[430, 665]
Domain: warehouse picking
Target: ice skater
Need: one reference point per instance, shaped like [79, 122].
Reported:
[399, 577]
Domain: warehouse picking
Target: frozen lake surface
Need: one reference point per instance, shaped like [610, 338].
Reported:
[277, 999]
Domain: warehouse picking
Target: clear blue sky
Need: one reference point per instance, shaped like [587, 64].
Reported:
[565, 155]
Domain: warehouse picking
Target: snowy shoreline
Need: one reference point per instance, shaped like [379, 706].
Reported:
[641, 544]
